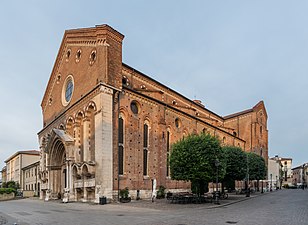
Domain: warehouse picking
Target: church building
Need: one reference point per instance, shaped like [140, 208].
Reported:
[108, 126]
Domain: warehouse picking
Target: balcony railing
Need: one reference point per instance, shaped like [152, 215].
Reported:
[84, 183]
[78, 184]
[89, 182]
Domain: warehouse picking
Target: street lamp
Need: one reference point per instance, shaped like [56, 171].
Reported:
[285, 171]
[216, 194]
[258, 188]
[247, 178]
[303, 177]
[276, 182]
[271, 182]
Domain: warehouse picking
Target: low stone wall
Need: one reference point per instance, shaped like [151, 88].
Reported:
[4, 197]
[28, 194]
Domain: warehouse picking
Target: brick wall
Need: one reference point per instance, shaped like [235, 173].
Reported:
[163, 109]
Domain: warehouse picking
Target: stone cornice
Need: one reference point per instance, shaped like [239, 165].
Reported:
[168, 92]
[175, 110]
[140, 98]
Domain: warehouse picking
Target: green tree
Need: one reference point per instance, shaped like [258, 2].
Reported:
[193, 159]
[11, 184]
[256, 166]
[235, 165]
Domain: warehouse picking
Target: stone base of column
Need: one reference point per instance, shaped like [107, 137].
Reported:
[66, 196]
[47, 197]
[41, 195]
[84, 200]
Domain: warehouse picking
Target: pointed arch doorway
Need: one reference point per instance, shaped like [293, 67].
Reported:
[58, 169]
[60, 149]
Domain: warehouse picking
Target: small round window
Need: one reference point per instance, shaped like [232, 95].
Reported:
[67, 91]
[134, 107]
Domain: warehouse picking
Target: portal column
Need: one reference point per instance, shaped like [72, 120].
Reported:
[42, 168]
[85, 196]
[48, 191]
[70, 157]
[70, 177]
[77, 143]
[66, 189]
[86, 145]
[67, 177]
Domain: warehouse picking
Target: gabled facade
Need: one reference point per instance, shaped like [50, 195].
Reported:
[251, 125]
[108, 126]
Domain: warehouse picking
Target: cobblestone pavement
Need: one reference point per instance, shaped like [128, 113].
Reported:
[3, 220]
[163, 204]
[284, 207]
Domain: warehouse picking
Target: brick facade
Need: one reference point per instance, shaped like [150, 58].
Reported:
[251, 126]
[80, 146]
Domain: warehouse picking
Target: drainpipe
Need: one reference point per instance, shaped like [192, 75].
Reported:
[36, 189]
[118, 146]
[251, 137]
[21, 183]
[238, 126]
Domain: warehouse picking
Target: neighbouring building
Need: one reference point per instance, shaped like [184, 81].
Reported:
[283, 171]
[274, 174]
[16, 162]
[31, 184]
[3, 175]
[107, 126]
[286, 170]
[300, 175]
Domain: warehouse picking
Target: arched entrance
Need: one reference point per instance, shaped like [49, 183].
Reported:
[58, 169]
[59, 150]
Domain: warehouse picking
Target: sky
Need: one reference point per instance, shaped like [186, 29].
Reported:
[229, 54]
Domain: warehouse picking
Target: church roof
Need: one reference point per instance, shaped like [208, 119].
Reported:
[238, 114]
[170, 89]
[259, 104]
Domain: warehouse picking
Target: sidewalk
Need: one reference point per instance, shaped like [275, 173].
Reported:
[164, 204]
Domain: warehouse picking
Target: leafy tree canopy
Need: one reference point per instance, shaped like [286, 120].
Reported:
[236, 163]
[10, 184]
[257, 167]
[193, 158]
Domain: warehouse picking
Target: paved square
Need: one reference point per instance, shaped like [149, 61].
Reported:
[279, 207]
